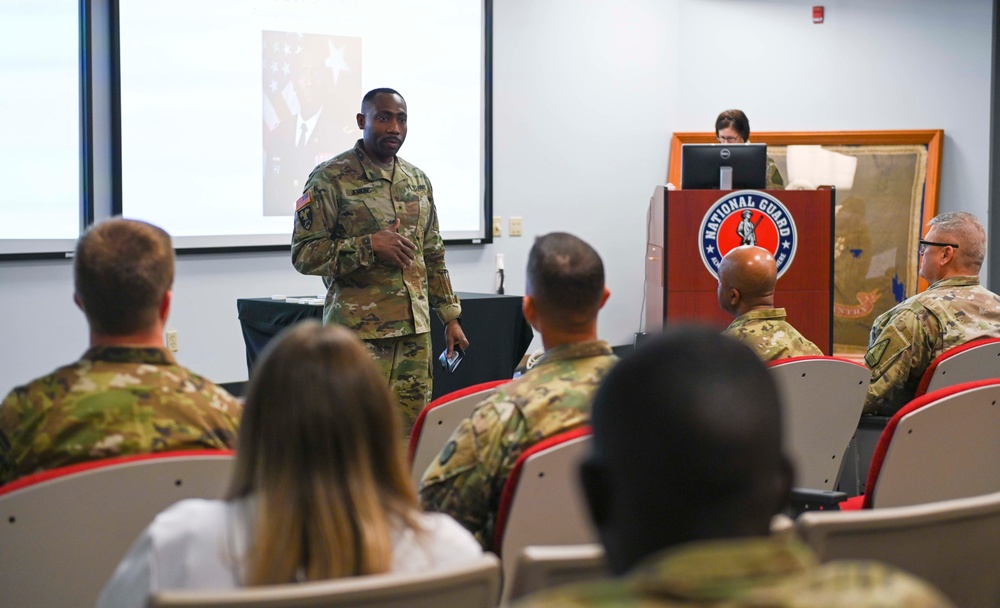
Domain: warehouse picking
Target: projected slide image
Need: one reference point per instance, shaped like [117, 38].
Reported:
[312, 87]
[226, 106]
[39, 126]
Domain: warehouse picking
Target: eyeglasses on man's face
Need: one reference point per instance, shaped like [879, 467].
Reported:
[730, 139]
[925, 244]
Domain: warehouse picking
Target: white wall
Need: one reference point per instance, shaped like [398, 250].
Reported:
[586, 96]
[874, 64]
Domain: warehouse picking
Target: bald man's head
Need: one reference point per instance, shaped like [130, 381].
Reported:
[747, 276]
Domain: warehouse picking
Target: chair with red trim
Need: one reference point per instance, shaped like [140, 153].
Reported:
[940, 446]
[952, 544]
[976, 360]
[542, 502]
[822, 399]
[439, 419]
[472, 585]
[541, 567]
[64, 531]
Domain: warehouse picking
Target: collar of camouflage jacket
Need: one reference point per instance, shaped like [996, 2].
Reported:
[396, 172]
[720, 569]
[962, 281]
[575, 350]
[130, 354]
[761, 313]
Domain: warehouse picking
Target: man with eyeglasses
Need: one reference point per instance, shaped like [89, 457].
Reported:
[955, 309]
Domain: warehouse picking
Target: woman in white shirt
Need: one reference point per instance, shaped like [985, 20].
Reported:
[319, 490]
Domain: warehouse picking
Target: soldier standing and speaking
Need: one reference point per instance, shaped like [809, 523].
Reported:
[367, 224]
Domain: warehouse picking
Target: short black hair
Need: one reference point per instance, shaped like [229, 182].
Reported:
[686, 446]
[696, 406]
[370, 96]
[566, 278]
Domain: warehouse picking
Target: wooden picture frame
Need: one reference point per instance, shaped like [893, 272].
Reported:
[880, 219]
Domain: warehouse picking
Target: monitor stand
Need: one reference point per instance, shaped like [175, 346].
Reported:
[725, 178]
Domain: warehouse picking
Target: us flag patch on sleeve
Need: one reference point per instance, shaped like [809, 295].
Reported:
[303, 201]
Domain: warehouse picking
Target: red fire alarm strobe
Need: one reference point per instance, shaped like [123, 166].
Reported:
[817, 14]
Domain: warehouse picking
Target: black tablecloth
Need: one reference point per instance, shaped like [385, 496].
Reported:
[497, 332]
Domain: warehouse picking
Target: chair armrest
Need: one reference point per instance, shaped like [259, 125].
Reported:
[806, 499]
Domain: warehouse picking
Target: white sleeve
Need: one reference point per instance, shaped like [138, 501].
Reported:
[131, 584]
[441, 543]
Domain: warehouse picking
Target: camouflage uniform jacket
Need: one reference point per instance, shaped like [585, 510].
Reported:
[770, 336]
[774, 179]
[467, 478]
[115, 401]
[773, 572]
[346, 199]
[906, 338]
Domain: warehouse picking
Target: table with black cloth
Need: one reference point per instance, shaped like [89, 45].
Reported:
[497, 331]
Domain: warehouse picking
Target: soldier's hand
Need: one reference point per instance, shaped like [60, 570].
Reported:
[392, 247]
[454, 336]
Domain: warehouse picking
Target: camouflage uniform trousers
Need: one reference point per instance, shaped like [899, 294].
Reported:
[405, 361]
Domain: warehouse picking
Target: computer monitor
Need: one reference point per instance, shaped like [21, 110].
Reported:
[723, 166]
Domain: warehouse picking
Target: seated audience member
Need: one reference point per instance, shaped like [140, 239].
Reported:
[685, 472]
[319, 490]
[126, 395]
[747, 276]
[565, 290]
[955, 309]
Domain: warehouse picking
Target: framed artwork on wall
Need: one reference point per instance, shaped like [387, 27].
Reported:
[887, 185]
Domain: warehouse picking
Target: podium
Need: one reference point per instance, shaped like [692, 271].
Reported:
[690, 230]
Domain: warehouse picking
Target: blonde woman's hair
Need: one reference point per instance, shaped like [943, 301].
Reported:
[319, 452]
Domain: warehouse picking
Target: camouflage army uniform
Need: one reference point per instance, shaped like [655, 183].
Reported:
[115, 401]
[908, 337]
[346, 200]
[772, 572]
[770, 336]
[467, 478]
[774, 179]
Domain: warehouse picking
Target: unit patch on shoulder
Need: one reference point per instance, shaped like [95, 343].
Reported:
[305, 215]
[874, 354]
[447, 452]
[747, 217]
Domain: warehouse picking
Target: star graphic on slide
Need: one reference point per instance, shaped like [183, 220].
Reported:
[288, 49]
[286, 69]
[336, 61]
[274, 86]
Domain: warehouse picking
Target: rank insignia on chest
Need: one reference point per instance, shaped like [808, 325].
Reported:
[357, 191]
[305, 215]
[420, 187]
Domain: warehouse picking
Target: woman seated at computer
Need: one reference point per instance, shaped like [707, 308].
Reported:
[319, 489]
[733, 127]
